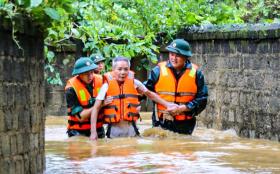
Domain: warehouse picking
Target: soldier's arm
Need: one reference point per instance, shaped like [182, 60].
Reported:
[153, 96]
[93, 120]
[73, 106]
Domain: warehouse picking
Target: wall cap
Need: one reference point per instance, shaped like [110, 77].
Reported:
[231, 31]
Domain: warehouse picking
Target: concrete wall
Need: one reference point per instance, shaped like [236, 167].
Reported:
[242, 68]
[22, 99]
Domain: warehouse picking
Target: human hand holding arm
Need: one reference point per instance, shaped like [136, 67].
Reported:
[85, 114]
[108, 100]
[76, 108]
[153, 96]
[93, 120]
[179, 109]
[156, 98]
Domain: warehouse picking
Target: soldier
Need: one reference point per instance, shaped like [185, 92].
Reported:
[180, 81]
[99, 60]
[80, 92]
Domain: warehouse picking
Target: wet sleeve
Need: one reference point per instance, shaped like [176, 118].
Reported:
[152, 79]
[72, 102]
[199, 103]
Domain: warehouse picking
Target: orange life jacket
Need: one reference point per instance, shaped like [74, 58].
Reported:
[181, 92]
[125, 100]
[83, 98]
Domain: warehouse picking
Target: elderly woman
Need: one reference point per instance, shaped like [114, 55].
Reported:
[121, 94]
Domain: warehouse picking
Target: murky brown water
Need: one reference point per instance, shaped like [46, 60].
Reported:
[206, 151]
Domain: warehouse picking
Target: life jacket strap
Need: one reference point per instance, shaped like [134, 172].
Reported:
[111, 107]
[132, 105]
[109, 130]
[71, 122]
[110, 116]
[135, 129]
[132, 114]
[121, 96]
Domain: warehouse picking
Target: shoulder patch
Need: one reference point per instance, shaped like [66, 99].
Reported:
[192, 72]
[82, 95]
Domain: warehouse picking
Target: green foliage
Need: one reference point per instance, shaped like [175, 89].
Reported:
[52, 13]
[51, 73]
[28, 3]
[53, 78]
[259, 10]
[132, 28]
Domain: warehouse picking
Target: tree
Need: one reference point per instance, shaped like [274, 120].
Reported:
[132, 28]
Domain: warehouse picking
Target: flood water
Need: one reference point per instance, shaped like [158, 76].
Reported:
[158, 151]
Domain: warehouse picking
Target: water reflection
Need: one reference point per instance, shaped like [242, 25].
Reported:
[159, 151]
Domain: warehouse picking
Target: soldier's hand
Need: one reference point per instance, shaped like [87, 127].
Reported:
[179, 109]
[172, 107]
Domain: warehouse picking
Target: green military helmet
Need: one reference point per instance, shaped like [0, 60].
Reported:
[97, 58]
[180, 46]
[82, 65]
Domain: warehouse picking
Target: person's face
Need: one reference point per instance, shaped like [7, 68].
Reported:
[177, 60]
[87, 77]
[121, 70]
[101, 66]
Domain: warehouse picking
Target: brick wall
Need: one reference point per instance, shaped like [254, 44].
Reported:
[22, 99]
[242, 68]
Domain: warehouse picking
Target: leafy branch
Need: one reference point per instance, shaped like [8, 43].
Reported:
[133, 28]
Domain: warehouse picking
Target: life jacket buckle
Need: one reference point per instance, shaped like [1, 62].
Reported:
[178, 94]
[121, 96]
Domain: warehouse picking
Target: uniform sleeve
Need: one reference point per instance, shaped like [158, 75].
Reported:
[152, 79]
[140, 87]
[199, 103]
[72, 102]
[102, 92]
